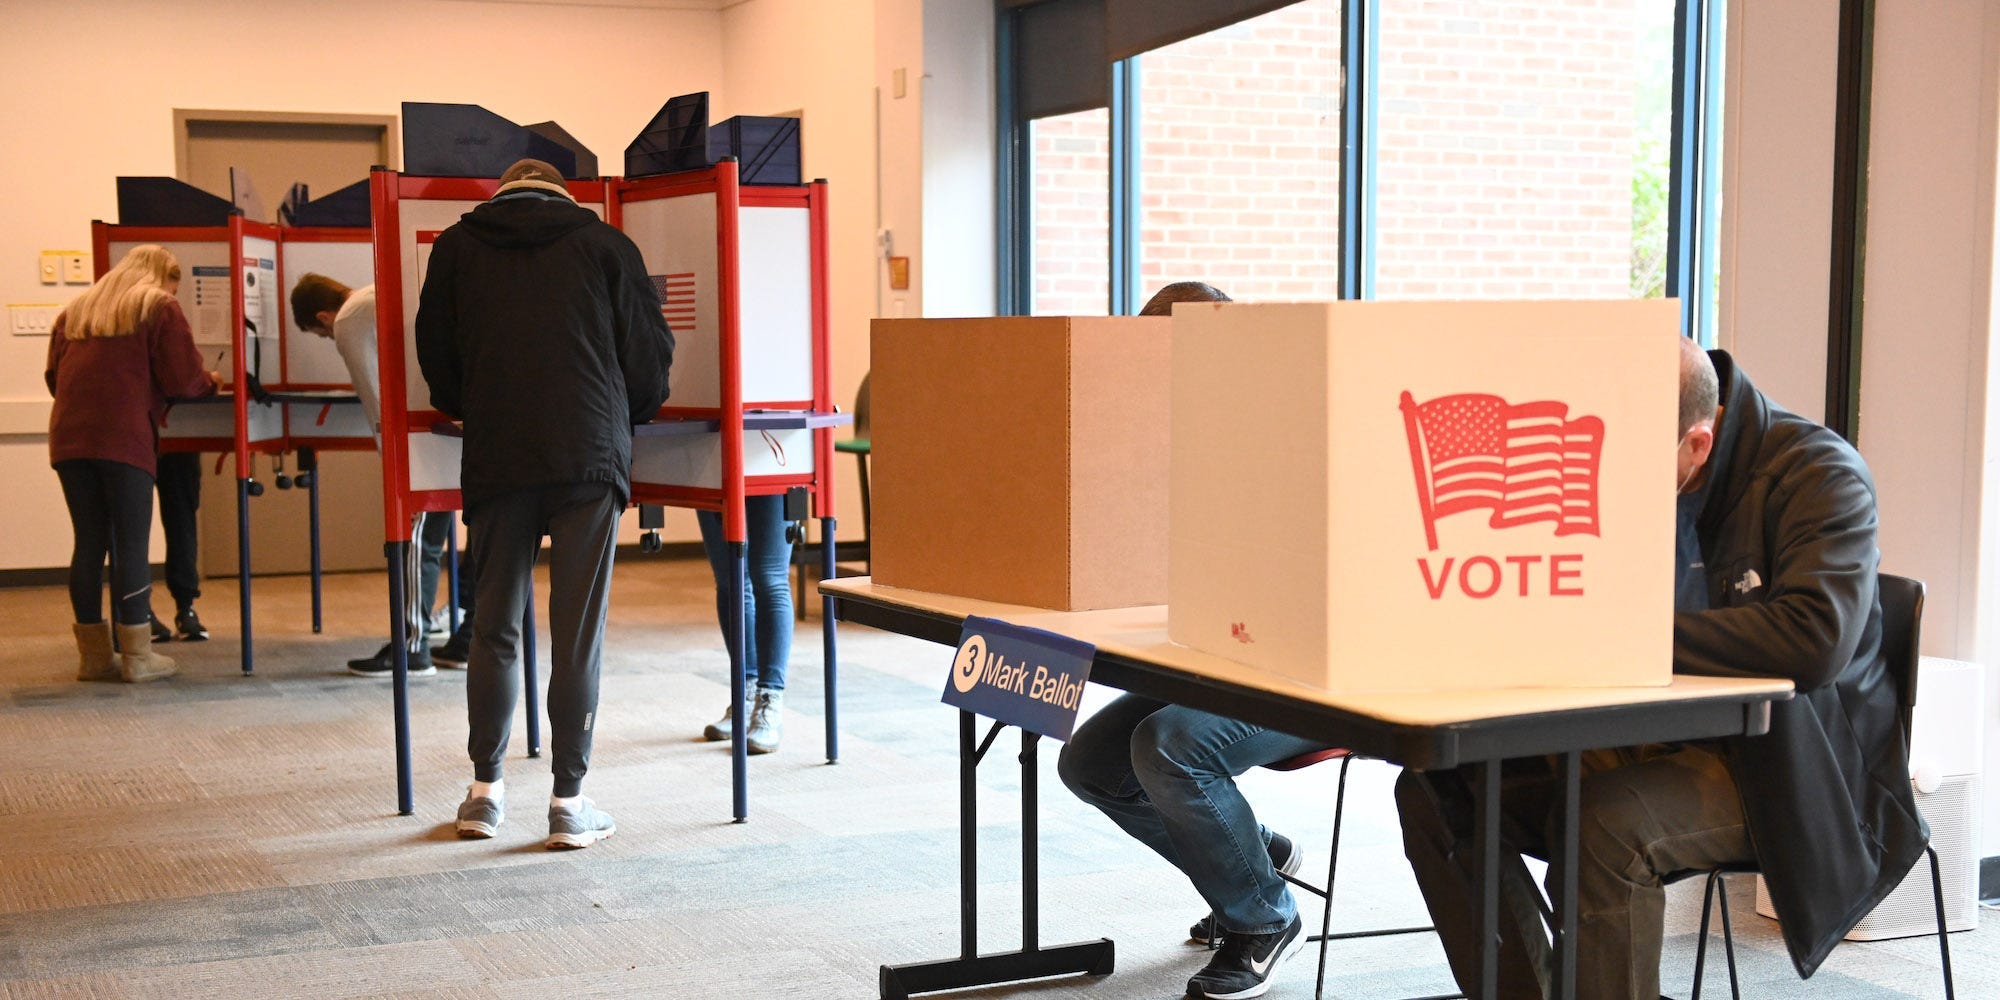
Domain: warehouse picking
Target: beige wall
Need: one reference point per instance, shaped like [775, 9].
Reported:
[816, 56]
[95, 85]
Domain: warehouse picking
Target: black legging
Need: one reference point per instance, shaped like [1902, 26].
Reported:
[111, 510]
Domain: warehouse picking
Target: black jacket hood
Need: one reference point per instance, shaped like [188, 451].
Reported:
[531, 221]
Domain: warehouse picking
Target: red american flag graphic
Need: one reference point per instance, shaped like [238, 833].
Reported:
[1524, 462]
[676, 298]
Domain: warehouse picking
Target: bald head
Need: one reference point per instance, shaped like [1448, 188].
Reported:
[1699, 391]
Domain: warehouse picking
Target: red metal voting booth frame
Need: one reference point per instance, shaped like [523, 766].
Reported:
[239, 445]
[401, 503]
[816, 413]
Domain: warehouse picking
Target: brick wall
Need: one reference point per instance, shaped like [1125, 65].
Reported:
[1506, 149]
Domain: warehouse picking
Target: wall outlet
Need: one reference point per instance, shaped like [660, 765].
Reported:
[76, 269]
[33, 319]
[49, 270]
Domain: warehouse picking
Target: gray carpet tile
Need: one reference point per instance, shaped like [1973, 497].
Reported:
[217, 835]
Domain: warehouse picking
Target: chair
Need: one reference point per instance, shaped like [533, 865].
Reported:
[857, 445]
[1902, 622]
[1325, 934]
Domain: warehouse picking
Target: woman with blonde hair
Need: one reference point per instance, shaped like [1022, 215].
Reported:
[118, 353]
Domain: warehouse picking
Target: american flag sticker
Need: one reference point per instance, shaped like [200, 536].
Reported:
[677, 292]
[1525, 462]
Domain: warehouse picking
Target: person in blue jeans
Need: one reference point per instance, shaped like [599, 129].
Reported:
[767, 615]
[1167, 774]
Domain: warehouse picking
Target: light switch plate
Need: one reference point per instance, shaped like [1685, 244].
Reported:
[32, 319]
[76, 269]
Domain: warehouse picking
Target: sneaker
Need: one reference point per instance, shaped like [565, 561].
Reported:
[438, 625]
[719, 729]
[1245, 963]
[767, 722]
[1285, 857]
[161, 633]
[383, 663]
[456, 650]
[581, 827]
[189, 626]
[479, 817]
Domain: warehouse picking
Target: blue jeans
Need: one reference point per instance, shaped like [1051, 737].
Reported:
[767, 594]
[1167, 774]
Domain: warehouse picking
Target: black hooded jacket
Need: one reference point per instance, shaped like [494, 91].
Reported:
[539, 328]
[1787, 530]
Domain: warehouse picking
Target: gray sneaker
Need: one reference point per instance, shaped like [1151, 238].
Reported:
[582, 827]
[767, 722]
[719, 729]
[479, 817]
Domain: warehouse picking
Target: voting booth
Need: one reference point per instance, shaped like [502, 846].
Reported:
[741, 271]
[1426, 496]
[233, 290]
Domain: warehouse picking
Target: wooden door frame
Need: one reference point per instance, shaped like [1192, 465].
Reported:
[183, 117]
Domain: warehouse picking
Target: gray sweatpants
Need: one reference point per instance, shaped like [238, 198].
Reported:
[582, 524]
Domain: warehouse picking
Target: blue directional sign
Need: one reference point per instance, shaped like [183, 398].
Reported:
[1020, 676]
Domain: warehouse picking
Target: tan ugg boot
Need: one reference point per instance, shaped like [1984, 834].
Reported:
[95, 659]
[137, 661]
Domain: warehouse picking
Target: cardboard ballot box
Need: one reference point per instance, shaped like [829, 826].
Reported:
[1382, 496]
[1021, 460]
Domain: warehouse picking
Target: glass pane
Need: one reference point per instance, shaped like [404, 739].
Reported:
[1072, 213]
[1523, 148]
[1239, 157]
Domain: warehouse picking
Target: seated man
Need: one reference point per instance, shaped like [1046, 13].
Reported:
[1775, 562]
[323, 306]
[1166, 774]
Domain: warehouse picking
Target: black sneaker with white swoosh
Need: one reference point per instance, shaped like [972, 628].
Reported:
[1245, 963]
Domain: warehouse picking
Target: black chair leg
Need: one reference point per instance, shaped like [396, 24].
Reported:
[1332, 866]
[1944, 936]
[1701, 939]
[1728, 936]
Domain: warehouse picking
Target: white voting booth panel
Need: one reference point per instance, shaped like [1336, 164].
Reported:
[312, 361]
[676, 236]
[695, 460]
[206, 292]
[1413, 496]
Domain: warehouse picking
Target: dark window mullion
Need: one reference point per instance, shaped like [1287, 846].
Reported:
[1359, 50]
[1124, 188]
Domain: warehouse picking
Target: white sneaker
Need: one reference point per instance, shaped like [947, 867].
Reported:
[767, 721]
[719, 729]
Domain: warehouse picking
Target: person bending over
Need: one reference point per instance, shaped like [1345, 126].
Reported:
[1775, 563]
[327, 308]
[117, 355]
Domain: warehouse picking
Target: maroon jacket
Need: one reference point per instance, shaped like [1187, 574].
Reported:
[111, 392]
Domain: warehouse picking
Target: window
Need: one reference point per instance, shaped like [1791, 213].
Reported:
[1071, 214]
[1480, 149]
[1523, 148]
[1239, 157]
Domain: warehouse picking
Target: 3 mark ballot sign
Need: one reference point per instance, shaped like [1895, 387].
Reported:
[1020, 676]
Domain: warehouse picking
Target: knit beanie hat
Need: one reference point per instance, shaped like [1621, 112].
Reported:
[533, 174]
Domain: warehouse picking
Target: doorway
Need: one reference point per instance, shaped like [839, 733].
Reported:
[326, 152]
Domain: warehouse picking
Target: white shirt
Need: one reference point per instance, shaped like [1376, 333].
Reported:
[354, 338]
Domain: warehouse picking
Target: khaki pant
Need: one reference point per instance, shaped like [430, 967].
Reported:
[1648, 814]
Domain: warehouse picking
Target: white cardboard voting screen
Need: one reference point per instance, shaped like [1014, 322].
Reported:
[205, 294]
[1386, 496]
[310, 359]
[676, 238]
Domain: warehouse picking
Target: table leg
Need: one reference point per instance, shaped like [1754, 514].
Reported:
[1564, 984]
[1096, 958]
[830, 641]
[1486, 845]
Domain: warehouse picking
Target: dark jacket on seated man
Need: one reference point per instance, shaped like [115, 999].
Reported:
[1787, 531]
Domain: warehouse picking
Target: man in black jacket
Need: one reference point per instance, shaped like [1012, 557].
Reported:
[539, 329]
[1776, 563]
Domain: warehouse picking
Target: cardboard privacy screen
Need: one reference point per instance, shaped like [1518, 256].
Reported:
[1389, 496]
[1021, 459]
